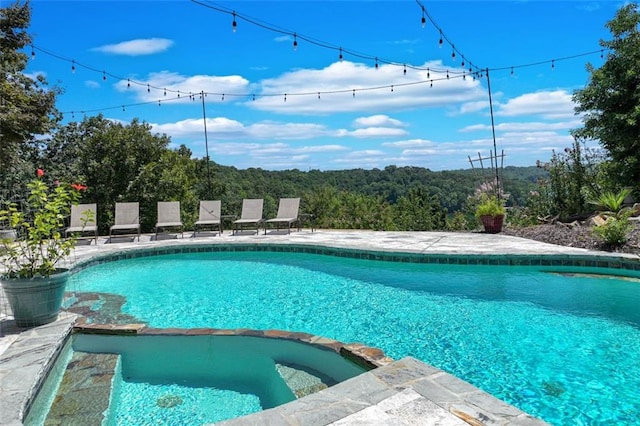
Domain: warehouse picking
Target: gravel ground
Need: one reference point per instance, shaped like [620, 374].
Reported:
[575, 235]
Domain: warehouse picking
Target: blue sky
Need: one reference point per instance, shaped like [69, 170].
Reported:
[126, 54]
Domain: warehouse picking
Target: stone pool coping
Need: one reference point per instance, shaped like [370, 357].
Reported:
[19, 359]
[407, 389]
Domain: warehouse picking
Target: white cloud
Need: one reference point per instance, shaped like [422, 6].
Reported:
[92, 84]
[378, 120]
[225, 128]
[471, 107]
[179, 88]
[147, 46]
[376, 132]
[522, 126]
[555, 104]
[347, 86]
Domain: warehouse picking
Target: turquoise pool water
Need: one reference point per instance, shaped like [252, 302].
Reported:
[180, 379]
[563, 347]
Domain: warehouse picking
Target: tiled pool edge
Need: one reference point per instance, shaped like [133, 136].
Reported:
[608, 261]
[26, 364]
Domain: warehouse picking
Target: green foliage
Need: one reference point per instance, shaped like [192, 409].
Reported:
[459, 221]
[615, 230]
[573, 176]
[40, 244]
[28, 105]
[490, 205]
[611, 202]
[610, 102]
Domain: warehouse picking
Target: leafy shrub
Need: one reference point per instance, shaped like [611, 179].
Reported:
[615, 230]
[490, 205]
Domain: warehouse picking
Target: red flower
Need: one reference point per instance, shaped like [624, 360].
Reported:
[40, 172]
[78, 186]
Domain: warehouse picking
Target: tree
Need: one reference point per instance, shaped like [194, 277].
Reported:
[27, 106]
[611, 99]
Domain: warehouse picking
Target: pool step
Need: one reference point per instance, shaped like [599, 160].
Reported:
[84, 394]
[303, 382]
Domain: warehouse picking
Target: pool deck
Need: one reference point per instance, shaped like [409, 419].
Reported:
[403, 392]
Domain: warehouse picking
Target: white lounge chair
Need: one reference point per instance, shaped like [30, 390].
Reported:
[83, 220]
[169, 217]
[251, 215]
[287, 214]
[209, 216]
[127, 219]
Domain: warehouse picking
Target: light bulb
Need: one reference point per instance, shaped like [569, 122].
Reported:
[424, 21]
[295, 42]
[73, 67]
[340, 57]
[234, 24]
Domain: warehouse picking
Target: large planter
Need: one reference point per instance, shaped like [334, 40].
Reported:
[35, 301]
[492, 224]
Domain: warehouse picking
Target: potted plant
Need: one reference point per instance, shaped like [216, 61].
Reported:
[29, 274]
[490, 210]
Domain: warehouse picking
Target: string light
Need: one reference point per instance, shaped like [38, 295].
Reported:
[440, 42]
[73, 67]
[148, 88]
[295, 41]
[234, 24]
[340, 57]
[297, 36]
[424, 20]
[128, 83]
[453, 53]
[376, 63]
[104, 76]
[405, 69]
[33, 53]
[553, 64]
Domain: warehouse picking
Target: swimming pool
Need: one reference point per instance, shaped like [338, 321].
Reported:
[562, 346]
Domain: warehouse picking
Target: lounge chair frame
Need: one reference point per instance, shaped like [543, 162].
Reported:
[251, 215]
[127, 218]
[169, 217]
[79, 224]
[288, 209]
[209, 216]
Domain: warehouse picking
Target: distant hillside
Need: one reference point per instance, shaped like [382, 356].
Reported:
[452, 187]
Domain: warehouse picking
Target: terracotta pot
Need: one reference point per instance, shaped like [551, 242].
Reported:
[492, 224]
[35, 301]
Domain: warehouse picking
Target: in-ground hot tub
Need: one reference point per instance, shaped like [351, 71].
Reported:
[162, 378]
